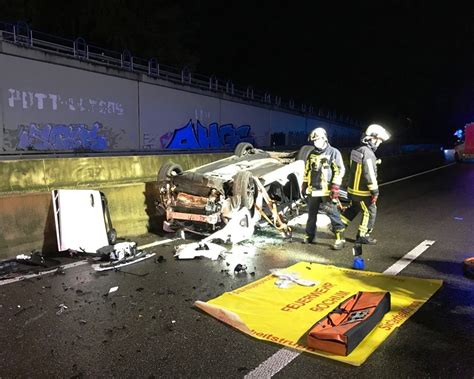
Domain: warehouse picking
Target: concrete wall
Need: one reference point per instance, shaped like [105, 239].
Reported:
[51, 103]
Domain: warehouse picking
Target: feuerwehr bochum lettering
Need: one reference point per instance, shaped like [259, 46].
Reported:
[214, 136]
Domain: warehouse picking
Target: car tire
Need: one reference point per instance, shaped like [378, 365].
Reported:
[243, 148]
[168, 170]
[245, 187]
[303, 152]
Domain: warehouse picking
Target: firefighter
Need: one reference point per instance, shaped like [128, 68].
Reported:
[363, 189]
[324, 170]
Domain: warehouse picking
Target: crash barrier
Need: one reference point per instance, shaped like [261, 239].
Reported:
[26, 209]
[294, 309]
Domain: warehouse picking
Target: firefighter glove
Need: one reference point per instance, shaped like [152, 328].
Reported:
[334, 195]
[304, 187]
[373, 199]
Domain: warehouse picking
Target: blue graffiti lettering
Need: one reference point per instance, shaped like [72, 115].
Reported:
[184, 138]
[61, 137]
[208, 138]
[214, 136]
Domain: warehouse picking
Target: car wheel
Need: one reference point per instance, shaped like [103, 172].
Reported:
[303, 152]
[168, 170]
[243, 148]
[244, 186]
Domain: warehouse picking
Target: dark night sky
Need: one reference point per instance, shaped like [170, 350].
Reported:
[405, 63]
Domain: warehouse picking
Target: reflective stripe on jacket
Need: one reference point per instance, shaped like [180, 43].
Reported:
[363, 172]
[330, 166]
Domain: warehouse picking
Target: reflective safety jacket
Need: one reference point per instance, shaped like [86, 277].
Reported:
[363, 173]
[322, 170]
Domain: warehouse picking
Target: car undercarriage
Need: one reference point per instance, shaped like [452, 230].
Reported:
[206, 198]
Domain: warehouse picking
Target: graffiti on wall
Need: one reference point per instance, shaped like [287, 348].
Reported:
[56, 102]
[213, 136]
[198, 136]
[62, 137]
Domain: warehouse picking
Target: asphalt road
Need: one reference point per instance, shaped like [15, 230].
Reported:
[149, 327]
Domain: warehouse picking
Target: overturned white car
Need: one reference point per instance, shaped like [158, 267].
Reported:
[206, 198]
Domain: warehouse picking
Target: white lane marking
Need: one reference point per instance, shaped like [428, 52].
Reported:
[274, 364]
[20, 278]
[412, 176]
[284, 356]
[408, 258]
[74, 264]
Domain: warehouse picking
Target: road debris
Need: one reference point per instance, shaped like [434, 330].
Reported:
[160, 259]
[240, 268]
[124, 254]
[22, 309]
[62, 308]
[200, 249]
[82, 220]
[287, 279]
[112, 290]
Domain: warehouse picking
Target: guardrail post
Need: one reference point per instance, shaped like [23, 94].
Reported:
[267, 98]
[249, 93]
[20, 38]
[126, 60]
[153, 67]
[185, 75]
[303, 108]
[229, 87]
[291, 104]
[80, 48]
[277, 101]
[213, 83]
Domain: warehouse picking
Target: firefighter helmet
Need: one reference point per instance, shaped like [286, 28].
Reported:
[377, 131]
[374, 135]
[319, 138]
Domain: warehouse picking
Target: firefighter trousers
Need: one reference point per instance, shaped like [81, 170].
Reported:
[369, 214]
[314, 204]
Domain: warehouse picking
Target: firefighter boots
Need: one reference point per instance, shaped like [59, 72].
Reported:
[340, 242]
[308, 240]
[366, 240]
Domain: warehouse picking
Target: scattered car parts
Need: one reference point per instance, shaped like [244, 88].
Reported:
[82, 220]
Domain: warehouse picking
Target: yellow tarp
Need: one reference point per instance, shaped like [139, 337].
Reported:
[283, 316]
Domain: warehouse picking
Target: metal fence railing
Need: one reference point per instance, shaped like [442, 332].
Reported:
[21, 34]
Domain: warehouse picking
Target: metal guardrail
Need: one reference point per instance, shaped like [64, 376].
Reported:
[21, 34]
